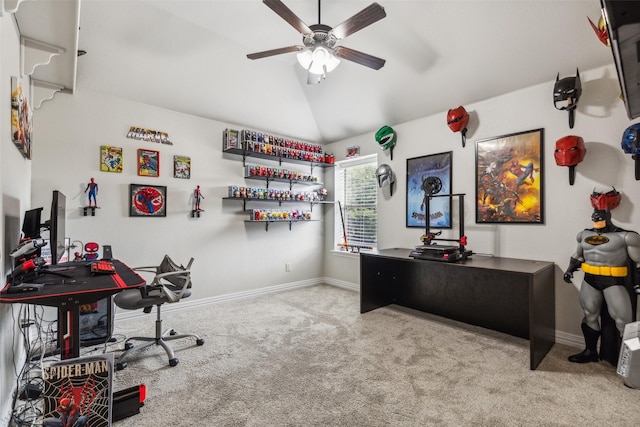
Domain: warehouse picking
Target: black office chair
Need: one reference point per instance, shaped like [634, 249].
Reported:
[171, 283]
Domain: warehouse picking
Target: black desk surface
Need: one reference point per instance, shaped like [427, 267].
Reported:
[476, 261]
[80, 284]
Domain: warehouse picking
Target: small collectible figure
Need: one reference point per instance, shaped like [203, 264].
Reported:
[608, 256]
[91, 251]
[197, 195]
[92, 188]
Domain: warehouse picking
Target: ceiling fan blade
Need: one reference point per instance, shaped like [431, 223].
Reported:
[273, 52]
[359, 57]
[285, 13]
[367, 16]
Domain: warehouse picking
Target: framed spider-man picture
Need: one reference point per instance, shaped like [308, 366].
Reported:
[436, 169]
[510, 178]
[148, 162]
[147, 200]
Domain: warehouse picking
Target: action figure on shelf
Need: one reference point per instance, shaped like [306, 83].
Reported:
[92, 188]
[197, 196]
[608, 256]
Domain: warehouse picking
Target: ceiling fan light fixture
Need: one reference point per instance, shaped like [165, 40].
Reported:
[318, 60]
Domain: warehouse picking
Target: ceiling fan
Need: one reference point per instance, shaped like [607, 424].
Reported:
[319, 53]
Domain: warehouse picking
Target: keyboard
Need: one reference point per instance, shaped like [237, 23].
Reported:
[102, 267]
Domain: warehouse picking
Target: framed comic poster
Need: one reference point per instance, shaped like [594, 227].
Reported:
[510, 178]
[147, 200]
[182, 167]
[21, 124]
[148, 162]
[110, 159]
[418, 170]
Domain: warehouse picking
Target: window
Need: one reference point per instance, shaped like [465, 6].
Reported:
[357, 194]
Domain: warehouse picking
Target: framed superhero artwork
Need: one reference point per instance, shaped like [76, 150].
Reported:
[147, 200]
[148, 162]
[111, 159]
[433, 167]
[21, 124]
[182, 167]
[510, 178]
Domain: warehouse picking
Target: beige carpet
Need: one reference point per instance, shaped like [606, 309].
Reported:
[307, 357]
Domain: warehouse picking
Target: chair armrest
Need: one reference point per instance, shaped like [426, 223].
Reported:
[149, 268]
[171, 295]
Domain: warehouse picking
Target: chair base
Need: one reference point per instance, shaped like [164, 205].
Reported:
[160, 339]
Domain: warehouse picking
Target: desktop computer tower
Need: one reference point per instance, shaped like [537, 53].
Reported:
[96, 322]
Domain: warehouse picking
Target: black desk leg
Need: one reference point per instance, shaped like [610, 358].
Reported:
[69, 331]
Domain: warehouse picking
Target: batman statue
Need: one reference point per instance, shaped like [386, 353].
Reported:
[608, 256]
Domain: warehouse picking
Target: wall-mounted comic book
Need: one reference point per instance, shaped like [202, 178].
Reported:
[78, 392]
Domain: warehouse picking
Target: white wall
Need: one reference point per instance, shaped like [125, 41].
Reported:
[600, 120]
[15, 181]
[231, 256]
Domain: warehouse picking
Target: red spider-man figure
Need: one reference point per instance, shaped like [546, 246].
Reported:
[91, 251]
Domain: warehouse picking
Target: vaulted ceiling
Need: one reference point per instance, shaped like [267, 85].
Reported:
[190, 56]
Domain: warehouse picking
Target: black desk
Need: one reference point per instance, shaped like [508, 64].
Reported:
[69, 293]
[508, 295]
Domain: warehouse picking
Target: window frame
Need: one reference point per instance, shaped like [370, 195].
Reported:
[342, 208]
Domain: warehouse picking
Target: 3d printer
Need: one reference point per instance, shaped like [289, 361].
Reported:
[431, 251]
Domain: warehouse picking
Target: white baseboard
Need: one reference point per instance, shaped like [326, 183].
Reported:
[341, 284]
[571, 340]
[194, 303]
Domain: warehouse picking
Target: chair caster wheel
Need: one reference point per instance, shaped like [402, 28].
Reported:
[173, 362]
[200, 341]
[172, 332]
[121, 365]
[128, 346]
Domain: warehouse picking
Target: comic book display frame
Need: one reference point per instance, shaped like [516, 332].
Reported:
[182, 167]
[21, 117]
[148, 162]
[510, 178]
[418, 168]
[147, 200]
[111, 159]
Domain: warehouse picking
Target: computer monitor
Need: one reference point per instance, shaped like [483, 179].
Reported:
[31, 224]
[57, 226]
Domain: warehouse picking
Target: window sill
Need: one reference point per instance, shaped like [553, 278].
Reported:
[347, 254]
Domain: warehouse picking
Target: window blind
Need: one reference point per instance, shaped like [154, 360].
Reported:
[357, 192]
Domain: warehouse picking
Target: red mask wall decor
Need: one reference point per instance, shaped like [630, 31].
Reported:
[457, 120]
[570, 151]
[600, 30]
